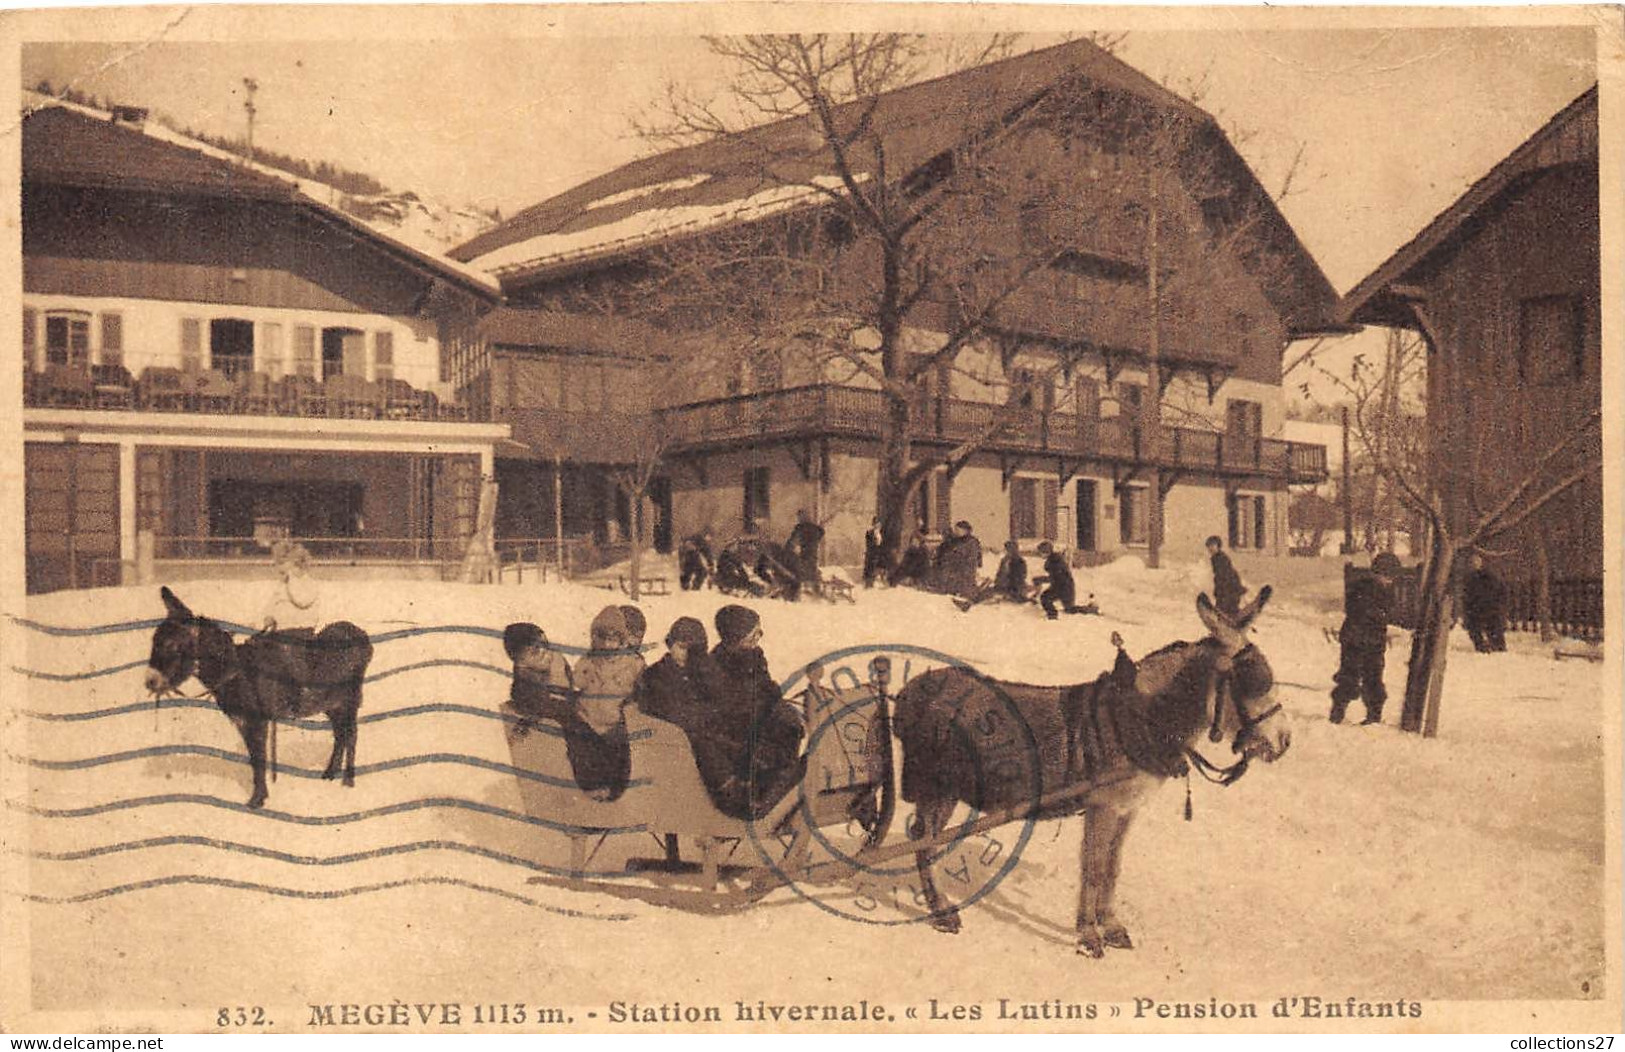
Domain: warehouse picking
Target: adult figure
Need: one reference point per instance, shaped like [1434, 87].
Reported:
[1060, 590]
[696, 562]
[1484, 607]
[959, 557]
[1363, 641]
[803, 543]
[1009, 580]
[1227, 586]
[753, 721]
[874, 553]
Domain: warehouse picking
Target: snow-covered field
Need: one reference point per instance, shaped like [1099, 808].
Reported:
[1367, 863]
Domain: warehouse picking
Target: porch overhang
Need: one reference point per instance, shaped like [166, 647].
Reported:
[261, 432]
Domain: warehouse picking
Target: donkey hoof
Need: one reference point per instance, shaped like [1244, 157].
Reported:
[947, 923]
[1117, 938]
[256, 801]
[349, 781]
[1090, 946]
[329, 775]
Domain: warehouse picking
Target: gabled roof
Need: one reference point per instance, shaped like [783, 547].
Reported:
[1569, 137]
[711, 184]
[65, 145]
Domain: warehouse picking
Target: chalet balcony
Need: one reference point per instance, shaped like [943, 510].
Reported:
[170, 390]
[828, 410]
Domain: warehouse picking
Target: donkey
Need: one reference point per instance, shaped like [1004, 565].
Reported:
[265, 678]
[1018, 751]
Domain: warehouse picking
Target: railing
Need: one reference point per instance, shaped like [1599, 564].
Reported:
[1576, 606]
[167, 390]
[827, 409]
[329, 550]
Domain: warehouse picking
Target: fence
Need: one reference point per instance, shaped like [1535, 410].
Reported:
[1576, 606]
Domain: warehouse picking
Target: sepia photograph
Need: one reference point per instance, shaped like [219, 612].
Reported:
[812, 518]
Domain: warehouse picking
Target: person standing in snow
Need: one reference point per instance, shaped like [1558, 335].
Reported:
[874, 554]
[1484, 608]
[1227, 587]
[803, 544]
[1363, 640]
[695, 561]
[1060, 591]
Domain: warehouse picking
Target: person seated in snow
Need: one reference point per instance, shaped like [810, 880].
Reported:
[604, 679]
[1009, 580]
[776, 566]
[756, 735]
[695, 561]
[1060, 590]
[959, 557]
[543, 690]
[914, 567]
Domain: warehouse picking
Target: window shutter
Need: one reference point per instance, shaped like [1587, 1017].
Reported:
[1258, 522]
[1232, 504]
[1052, 496]
[30, 337]
[383, 356]
[112, 338]
[304, 350]
[271, 349]
[191, 344]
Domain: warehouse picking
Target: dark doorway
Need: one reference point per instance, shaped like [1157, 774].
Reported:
[231, 346]
[240, 507]
[1086, 515]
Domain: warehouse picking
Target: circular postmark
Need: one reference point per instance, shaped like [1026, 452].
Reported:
[856, 848]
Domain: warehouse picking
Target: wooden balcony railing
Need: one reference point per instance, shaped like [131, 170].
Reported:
[834, 411]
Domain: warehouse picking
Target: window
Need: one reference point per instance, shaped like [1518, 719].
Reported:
[583, 386]
[1033, 392]
[112, 338]
[191, 344]
[1134, 520]
[1244, 419]
[1247, 521]
[67, 338]
[535, 383]
[383, 356]
[757, 510]
[30, 337]
[304, 350]
[231, 346]
[271, 349]
[1551, 340]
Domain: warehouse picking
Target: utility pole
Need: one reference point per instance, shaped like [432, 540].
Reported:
[250, 86]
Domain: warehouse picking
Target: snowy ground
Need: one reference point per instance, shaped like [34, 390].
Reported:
[1367, 863]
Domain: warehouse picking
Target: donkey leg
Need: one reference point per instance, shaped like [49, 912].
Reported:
[253, 729]
[1090, 942]
[335, 717]
[349, 744]
[929, 819]
[1115, 935]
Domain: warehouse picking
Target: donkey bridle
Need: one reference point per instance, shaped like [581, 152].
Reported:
[1220, 693]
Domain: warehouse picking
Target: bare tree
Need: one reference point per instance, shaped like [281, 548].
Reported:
[860, 253]
[1402, 459]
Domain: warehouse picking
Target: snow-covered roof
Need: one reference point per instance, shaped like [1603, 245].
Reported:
[84, 145]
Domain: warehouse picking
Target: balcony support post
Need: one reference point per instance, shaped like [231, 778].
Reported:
[1066, 468]
[1165, 482]
[1008, 466]
[823, 464]
[801, 453]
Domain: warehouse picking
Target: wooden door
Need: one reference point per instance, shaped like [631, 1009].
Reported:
[71, 510]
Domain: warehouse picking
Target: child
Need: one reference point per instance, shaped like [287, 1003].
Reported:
[543, 687]
[605, 678]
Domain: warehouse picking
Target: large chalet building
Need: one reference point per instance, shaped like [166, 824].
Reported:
[215, 360]
[1078, 465]
[1505, 288]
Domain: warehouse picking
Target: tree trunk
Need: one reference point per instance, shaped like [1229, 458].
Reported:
[891, 495]
[1151, 429]
[1543, 588]
[635, 570]
[1424, 680]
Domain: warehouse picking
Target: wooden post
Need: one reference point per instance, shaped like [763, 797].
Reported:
[1153, 380]
[1347, 547]
[558, 513]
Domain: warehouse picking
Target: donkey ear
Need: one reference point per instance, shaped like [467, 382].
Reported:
[1209, 615]
[1253, 609]
[177, 609]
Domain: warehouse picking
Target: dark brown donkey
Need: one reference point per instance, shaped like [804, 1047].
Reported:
[1012, 751]
[265, 678]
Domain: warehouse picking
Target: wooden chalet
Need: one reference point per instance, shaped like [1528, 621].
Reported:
[1505, 288]
[1076, 469]
[216, 360]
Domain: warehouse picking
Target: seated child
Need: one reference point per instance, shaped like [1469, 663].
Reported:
[605, 678]
[544, 689]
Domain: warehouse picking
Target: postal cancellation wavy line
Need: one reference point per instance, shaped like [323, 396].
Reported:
[210, 752]
[259, 851]
[196, 879]
[405, 806]
[97, 673]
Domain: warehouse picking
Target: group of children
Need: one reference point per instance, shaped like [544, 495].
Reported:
[745, 737]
